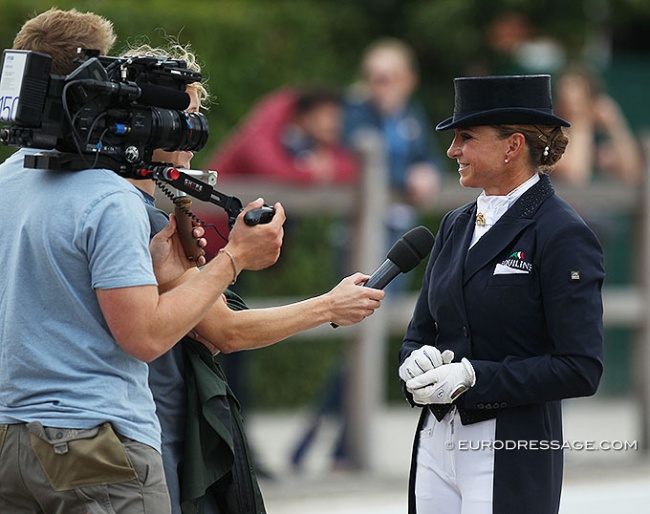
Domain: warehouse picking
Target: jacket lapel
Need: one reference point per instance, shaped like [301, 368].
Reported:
[464, 229]
[504, 231]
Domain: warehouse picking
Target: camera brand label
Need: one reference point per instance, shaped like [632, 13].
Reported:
[11, 80]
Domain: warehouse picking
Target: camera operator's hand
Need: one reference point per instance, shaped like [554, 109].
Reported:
[167, 254]
[257, 247]
[349, 303]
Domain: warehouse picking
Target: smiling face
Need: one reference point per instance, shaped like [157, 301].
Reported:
[183, 158]
[480, 155]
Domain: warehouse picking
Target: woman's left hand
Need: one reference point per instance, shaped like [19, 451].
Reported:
[422, 360]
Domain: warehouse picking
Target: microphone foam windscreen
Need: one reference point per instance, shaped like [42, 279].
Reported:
[411, 248]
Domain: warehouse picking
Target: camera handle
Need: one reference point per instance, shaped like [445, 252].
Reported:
[185, 226]
[186, 182]
[203, 191]
[54, 160]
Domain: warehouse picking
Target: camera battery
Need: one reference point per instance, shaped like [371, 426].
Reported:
[24, 80]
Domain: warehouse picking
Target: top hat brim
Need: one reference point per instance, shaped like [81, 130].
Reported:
[502, 116]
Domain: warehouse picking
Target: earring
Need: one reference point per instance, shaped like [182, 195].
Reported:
[546, 149]
[506, 161]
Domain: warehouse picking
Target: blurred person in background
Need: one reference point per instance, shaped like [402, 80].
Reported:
[602, 143]
[384, 102]
[515, 46]
[603, 147]
[509, 318]
[293, 136]
[290, 136]
[208, 462]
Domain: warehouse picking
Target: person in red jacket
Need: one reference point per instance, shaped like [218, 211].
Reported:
[292, 136]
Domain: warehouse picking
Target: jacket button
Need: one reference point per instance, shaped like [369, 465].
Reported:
[465, 331]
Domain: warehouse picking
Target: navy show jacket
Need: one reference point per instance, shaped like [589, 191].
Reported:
[534, 333]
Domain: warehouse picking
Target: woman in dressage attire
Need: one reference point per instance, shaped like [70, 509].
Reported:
[509, 318]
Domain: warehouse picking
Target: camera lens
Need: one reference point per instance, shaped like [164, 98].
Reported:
[178, 130]
[167, 129]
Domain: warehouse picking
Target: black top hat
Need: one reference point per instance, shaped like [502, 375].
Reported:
[504, 99]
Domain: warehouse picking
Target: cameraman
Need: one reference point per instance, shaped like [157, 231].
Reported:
[81, 314]
[217, 472]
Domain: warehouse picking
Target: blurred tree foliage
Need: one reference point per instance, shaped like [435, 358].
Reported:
[251, 47]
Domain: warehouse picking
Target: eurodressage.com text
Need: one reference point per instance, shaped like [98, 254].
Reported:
[587, 445]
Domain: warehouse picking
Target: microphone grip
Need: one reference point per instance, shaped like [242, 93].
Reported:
[380, 278]
[185, 227]
[383, 275]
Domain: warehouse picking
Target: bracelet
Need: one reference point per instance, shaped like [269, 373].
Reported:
[235, 273]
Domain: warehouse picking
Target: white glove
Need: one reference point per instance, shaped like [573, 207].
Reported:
[422, 360]
[443, 384]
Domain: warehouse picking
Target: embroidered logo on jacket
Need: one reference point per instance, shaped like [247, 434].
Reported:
[515, 263]
[516, 260]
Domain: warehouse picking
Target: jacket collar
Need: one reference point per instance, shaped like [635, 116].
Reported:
[516, 219]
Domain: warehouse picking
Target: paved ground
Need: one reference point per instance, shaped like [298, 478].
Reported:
[596, 481]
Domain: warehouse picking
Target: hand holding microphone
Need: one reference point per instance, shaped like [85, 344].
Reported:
[349, 304]
[403, 256]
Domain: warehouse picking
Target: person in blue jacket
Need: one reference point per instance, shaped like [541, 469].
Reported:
[385, 103]
[508, 322]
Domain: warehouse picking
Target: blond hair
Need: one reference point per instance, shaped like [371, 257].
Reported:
[175, 50]
[60, 33]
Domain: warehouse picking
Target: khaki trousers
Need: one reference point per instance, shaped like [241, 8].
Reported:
[45, 470]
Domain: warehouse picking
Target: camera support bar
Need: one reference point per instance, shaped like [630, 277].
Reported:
[185, 182]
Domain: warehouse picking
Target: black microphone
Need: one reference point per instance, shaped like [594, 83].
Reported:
[152, 95]
[163, 97]
[404, 255]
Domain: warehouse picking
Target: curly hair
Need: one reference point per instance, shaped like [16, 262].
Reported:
[175, 50]
[60, 33]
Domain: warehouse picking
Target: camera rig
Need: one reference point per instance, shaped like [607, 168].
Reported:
[111, 113]
[196, 183]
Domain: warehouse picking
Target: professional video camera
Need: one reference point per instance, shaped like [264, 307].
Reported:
[110, 112]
